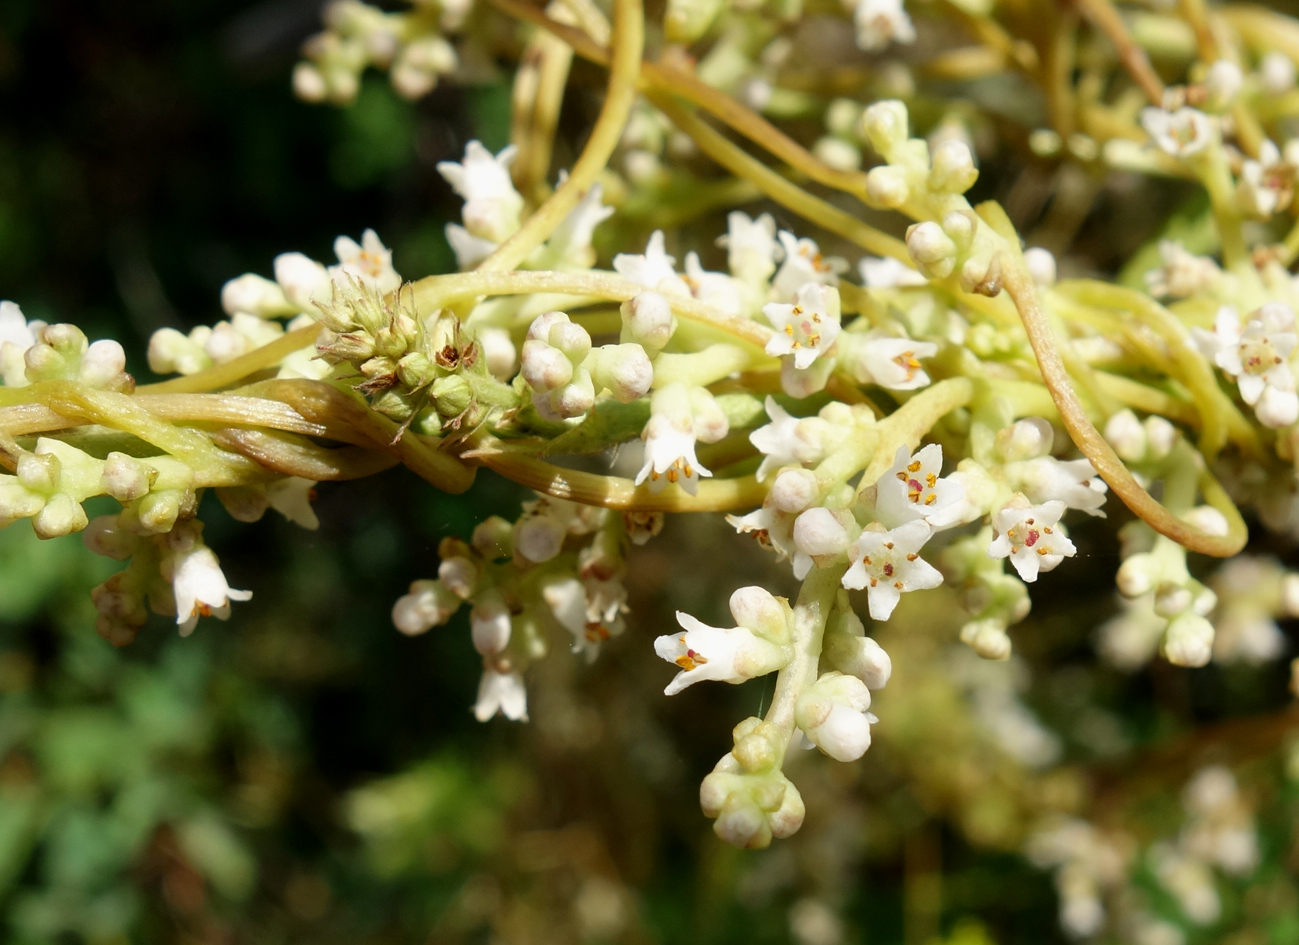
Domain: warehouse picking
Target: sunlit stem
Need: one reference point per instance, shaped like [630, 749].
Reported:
[628, 44]
[1019, 285]
[815, 601]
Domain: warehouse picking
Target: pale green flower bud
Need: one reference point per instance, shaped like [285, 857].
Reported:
[624, 370]
[885, 126]
[886, 187]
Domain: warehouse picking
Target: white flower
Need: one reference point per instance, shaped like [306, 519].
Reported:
[1266, 186]
[1277, 72]
[912, 489]
[369, 262]
[726, 655]
[832, 714]
[751, 247]
[429, 604]
[1180, 133]
[492, 205]
[888, 273]
[503, 693]
[773, 529]
[1182, 274]
[808, 328]
[200, 587]
[678, 417]
[803, 264]
[880, 22]
[490, 624]
[1258, 358]
[567, 601]
[654, 268]
[470, 250]
[1073, 482]
[888, 563]
[16, 336]
[715, 289]
[570, 245]
[303, 280]
[893, 363]
[1031, 536]
[292, 497]
[786, 440]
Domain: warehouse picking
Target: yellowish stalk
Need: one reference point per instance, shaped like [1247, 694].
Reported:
[1106, 18]
[784, 192]
[232, 372]
[615, 492]
[1019, 285]
[628, 45]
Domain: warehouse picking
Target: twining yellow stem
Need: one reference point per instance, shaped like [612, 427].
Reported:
[1019, 285]
[434, 292]
[1107, 19]
[614, 492]
[628, 45]
[539, 85]
[677, 81]
[1220, 420]
[224, 375]
[784, 192]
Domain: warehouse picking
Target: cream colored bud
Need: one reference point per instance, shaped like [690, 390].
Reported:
[1188, 641]
[647, 320]
[885, 125]
[886, 187]
[624, 370]
[1041, 265]
[126, 478]
[757, 609]
[793, 490]
[953, 170]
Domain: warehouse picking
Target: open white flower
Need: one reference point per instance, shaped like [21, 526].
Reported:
[751, 247]
[1266, 186]
[715, 289]
[880, 22]
[492, 205]
[292, 497]
[678, 417]
[913, 489]
[1073, 482]
[888, 564]
[653, 268]
[727, 655]
[803, 264]
[200, 587]
[892, 363]
[1257, 356]
[1180, 133]
[470, 250]
[368, 261]
[806, 329]
[1031, 536]
[16, 336]
[503, 693]
[570, 245]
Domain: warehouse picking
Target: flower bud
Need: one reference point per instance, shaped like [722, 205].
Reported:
[171, 352]
[452, 395]
[757, 609]
[960, 226]
[103, 365]
[105, 536]
[1290, 594]
[538, 538]
[1188, 641]
[1222, 84]
[490, 623]
[39, 472]
[1124, 432]
[953, 170]
[832, 714]
[624, 370]
[886, 187]
[1172, 599]
[932, 249]
[988, 638]
[309, 83]
[459, 574]
[303, 280]
[885, 126]
[1025, 439]
[1277, 71]
[1041, 265]
[647, 320]
[61, 515]
[544, 368]
[493, 538]
[428, 605]
[794, 490]
[819, 533]
[1161, 435]
[255, 295]
[710, 420]
[573, 340]
[571, 400]
[1138, 575]
[540, 328]
[1207, 519]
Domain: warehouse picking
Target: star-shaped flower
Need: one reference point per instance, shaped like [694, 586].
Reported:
[888, 564]
[808, 328]
[913, 489]
[1030, 535]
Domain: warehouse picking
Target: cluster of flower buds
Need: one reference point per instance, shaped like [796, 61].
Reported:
[32, 351]
[560, 565]
[411, 45]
